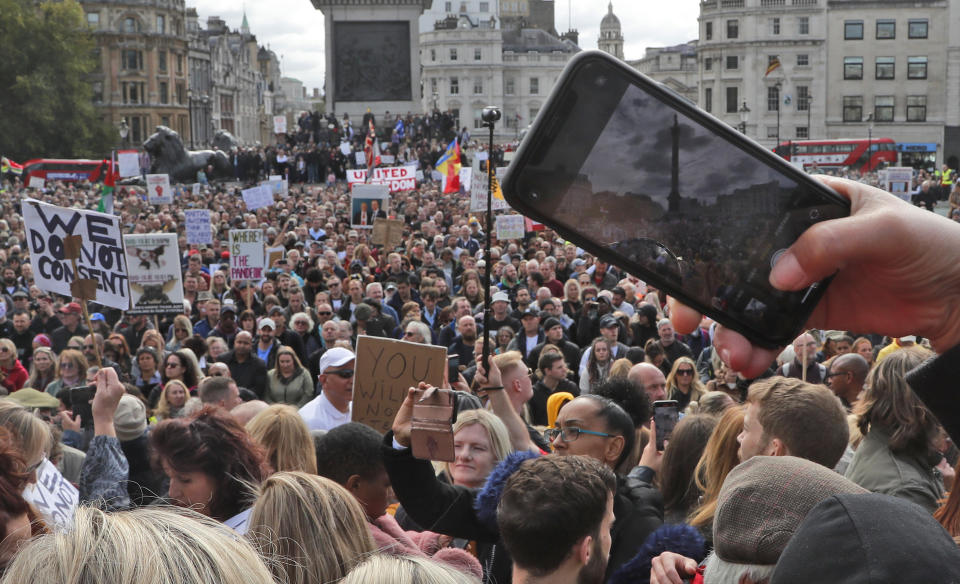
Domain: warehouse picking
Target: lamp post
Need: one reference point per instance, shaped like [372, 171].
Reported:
[777, 146]
[205, 114]
[869, 141]
[124, 131]
[436, 97]
[744, 112]
[490, 116]
[193, 145]
[809, 108]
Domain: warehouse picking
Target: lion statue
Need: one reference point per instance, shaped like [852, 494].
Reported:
[169, 156]
[225, 141]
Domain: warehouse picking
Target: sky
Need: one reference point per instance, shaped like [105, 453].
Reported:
[294, 28]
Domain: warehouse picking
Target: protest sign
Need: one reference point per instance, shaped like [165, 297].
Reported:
[128, 163]
[53, 496]
[198, 226]
[385, 370]
[478, 192]
[361, 157]
[36, 182]
[387, 232]
[258, 197]
[356, 175]
[277, 185]
[279, 124]
[897, 180]
[510, 227]
[195, 189]
[398, 178]
[368, 202]
[101, 256]
[387, 159]
[274, 254]
[246, 254]
[345, 148]
[158, 189]
[154, 273]
[466, 178]
[419, 176]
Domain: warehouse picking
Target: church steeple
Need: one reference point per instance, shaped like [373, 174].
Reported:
[611, 37]
[245, 26]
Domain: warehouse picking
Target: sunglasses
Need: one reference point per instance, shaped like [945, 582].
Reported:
[4, 350]
[343, 373]
[684, 371]
[325, 313]
[169, 365]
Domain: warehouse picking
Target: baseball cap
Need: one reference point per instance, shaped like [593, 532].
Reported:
[608, 321]
[336, 357]
[264, 322]
[530, 311]
[97, 316]
[73, 307]
[228, 307]
[500, 297]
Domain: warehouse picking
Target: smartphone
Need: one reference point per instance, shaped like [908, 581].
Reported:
[666, 413]
[642, 178]
[80, 405]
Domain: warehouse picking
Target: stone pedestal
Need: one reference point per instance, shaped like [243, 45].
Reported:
[372, 56]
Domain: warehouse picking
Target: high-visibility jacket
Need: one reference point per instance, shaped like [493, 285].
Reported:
[947, 178]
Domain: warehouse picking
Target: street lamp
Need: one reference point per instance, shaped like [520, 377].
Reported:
[809, 108]
[776, 148]
[204, 114]
[124, 130]
[190, 117]
[869, 141]
[744, 112]
[436, 97]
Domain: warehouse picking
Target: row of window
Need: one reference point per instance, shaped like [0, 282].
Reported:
[135, 92]
[774, 26]
[885, 68]
[509, 86]
[773, 99]
[732, 62]
[131, 25]
[455, 54]
[886, 29]
[448, 7]
[883, 108]
[132, 60]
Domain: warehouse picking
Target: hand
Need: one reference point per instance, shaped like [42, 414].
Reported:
[651, 457]
[105, 401]
[461, 384]
[947, 472]
[889, 278]
[70, 422]
[403, 421]
[671, 568]
[481, 376]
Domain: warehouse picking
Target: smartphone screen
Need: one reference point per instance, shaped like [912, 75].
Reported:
[666, 413]
[644, 179]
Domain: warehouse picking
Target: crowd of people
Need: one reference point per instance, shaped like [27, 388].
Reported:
[222, 436]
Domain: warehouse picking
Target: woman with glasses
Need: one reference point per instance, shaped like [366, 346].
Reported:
[683, 384]
[182, 329]
[504, 336]
[178, 365]
[71, 371]
[302, 324]
[289, 382]
[42, 369]
[13, 375]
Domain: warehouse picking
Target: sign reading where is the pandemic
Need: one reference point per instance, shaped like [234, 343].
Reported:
[101, 255]
[246, 255]
[154, 273]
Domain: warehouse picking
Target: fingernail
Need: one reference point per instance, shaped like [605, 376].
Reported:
[787, 273]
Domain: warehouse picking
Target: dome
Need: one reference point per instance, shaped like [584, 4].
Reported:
[610, 20]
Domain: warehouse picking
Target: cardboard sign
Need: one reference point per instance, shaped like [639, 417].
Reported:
[478, 192]
[36, 182]
[466, 179]
[361, 157]
[198, 226]
[246, 255]
[158, 189]
[388, 232]
[510, 227]
[154, 273]
[275, 254]
[279, 124]
[128, 163]
[101, 257]
[368, 203]
[385, 370]
[356, 175]
[397, 178]
[195, 189]
[897, 180]
[53, 496]
[258, 197]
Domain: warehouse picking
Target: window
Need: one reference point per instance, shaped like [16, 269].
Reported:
[463, 7]
[917, 28]
[803, 60]
[772, 132]
[771, 59]
[181, 94]
[852, 108]
[886, 29]
[733, 62]
[162, 60]
[732, 100]
[916, 108]
[448, 7]
[484, 7]
[97, 91]
[916, 67]
[433, 85]
[733, 29]
[454, 86]
[93, 19]
[802, 132]
[853, 30]
[708, 31]
[477, 54]
[708, 64]
[509, 86]
[453, 54]
[165, 121]
[775, 26]
[533, 113]
[803, 98]
[164, 91]
[773, 98]
[853, 67]
[478, 118]
[534, 86]
[161, 24]
[803, 25]
[132, 92]
[885, 67]
[708, 99]
[131, 25]
[883, 108]
[179, 64]
[433, 55]
[478, 86]
[131, 60]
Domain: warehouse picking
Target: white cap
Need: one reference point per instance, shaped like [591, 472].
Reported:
[267, 322]
[335, 357]
[499, 297]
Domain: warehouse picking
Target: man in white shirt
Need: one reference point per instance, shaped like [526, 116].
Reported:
[332, 407]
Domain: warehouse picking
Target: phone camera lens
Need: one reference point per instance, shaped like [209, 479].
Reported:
[534, 196]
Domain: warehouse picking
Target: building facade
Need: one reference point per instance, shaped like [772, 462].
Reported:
[676, 67]
[611, 36]
[142, 78]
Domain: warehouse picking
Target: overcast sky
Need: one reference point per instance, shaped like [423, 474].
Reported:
[294, 28]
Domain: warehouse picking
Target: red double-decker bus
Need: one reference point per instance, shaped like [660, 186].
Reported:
[852, 153]
[51, 169]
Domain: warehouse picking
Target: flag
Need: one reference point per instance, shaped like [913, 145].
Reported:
[371, 147]
[497, 191]
[773, 66]
[449, 166]
[106, 195]
[399, 129]
[7, 165]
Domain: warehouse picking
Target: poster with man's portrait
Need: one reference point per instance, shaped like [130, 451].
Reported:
[368, 202]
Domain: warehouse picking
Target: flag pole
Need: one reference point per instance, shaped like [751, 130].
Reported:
[490, 115]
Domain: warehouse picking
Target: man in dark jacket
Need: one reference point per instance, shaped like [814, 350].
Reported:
[246, 368]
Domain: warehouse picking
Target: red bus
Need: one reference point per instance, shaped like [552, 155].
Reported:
[851, 153]
[66, 170]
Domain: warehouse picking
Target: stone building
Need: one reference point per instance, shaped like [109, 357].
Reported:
[611, 37]
[676, 67]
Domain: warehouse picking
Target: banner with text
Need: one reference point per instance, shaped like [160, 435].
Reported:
[154, 273]
[158, 189]
[356, 175]
[246, 255]
[510, 227]
[258, 197]
[101, 255]
[53, 496]
[198, 226]
[398, 178]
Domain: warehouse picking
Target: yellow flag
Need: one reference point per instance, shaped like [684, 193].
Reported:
[497, 192]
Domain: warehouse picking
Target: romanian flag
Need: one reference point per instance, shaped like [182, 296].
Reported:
[7, 165]
[773, 66]
[106, 195]
[449, 166]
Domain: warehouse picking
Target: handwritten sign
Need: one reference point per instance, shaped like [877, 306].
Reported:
[279, 124]
[36, 182]
[154, 274]
[258, 197]
[158, 189]
[385, 370]
[478, 191]
[274, 255]
[510, 227]
[101, 253]
[198, 226]
[128, 163]
[387, 232]
[246, 254]
[53, 495]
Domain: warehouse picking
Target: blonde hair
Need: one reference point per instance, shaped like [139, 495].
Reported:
[386, 569]
[620, 369]
[162, 411]
[11, 348]
[496, 432]
[697, 389]
[76, 357]
[310, 529]
[286, 438]
[718, 459]
[30, 434]
[101, 548]
[508, 361]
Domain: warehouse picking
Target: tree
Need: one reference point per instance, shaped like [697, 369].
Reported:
[47, 54]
